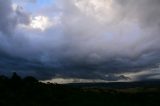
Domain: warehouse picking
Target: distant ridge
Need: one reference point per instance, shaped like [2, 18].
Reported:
[146, 83]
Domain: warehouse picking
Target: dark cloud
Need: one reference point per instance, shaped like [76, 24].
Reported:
[90, 40]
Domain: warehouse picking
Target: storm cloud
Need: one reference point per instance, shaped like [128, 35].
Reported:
[88, 39]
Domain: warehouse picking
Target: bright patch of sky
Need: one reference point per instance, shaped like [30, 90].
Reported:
[39, 5]
[33, 5]
[40, 22]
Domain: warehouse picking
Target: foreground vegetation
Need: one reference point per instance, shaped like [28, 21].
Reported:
[28, 91]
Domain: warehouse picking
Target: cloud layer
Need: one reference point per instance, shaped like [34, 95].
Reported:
[80, 39]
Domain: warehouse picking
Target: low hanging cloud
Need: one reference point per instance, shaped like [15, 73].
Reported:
[88, 39]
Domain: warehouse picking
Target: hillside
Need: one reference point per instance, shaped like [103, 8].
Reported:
[28, 91]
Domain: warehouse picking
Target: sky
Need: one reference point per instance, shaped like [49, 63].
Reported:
[80, 40]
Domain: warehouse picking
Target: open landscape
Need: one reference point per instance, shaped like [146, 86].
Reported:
[79, 52]
[28, 91]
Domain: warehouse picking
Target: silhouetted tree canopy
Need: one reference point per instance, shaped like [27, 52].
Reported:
[15, 77]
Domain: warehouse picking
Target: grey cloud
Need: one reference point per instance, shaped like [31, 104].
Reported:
[10, 18]
[88, 43]
[7, 20]
[146, 11]
[22, 17]
[25, 1]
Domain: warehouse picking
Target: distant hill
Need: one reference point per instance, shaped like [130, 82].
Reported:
[146, 83]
